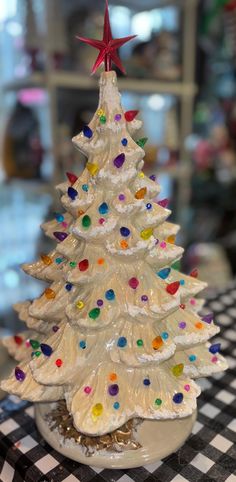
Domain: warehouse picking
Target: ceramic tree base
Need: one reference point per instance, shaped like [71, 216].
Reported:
[157, 438]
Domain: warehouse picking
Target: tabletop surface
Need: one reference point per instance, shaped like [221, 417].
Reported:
[208, 455]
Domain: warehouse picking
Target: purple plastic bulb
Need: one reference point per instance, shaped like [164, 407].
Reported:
[208, 318]
[19, 374]
[60, 236]
[119, 161]
[113, 390]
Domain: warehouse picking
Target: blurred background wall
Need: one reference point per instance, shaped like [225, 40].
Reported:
[180, 75]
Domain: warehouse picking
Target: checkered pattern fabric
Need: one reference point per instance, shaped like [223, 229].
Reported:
[208, 455]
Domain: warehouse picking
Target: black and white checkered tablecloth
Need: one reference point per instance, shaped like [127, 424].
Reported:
[208, 455]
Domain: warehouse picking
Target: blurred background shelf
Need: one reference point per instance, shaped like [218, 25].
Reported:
[36, 79]
[76, 81]
[69, 80]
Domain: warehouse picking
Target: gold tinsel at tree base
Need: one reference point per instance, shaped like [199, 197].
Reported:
[59, 419]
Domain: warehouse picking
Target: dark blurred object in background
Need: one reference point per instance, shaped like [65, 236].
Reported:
[22, 148]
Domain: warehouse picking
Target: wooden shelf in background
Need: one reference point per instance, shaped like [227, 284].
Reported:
[35, 80]
[73, 80]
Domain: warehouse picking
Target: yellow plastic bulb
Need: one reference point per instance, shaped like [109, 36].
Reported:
[177, 370]
[80, 304]
[92, 168]
[97, 410]
[100, 112]
[146, 233]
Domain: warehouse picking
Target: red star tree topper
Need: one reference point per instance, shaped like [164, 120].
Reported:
[108, 46]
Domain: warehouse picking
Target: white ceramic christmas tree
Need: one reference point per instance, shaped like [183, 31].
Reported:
[116, 334]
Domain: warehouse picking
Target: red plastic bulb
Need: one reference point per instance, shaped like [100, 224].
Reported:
[130, 115]
[72, 177]
[133, 283]
[59, 362]
[194, 273]
[163, 203]
[83, 265]
[172, 288]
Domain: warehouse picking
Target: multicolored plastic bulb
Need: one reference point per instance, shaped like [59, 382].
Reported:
[139, 342]
[83, 265]
[18, 340]
[86, 221]
[157, 343]
[94, 313]
[46, 349]
[122, 342]
[215, 348]
[72, 177]
[19, 374]
[208, 318]
[68, 286]
[194, 273]
[178, 398]
[35, 344]
[119, 160]
[141, 193]
[113, 390]
[59, 217]
[87, 132]
[124, 231]
[59, 362]
[50, 294]
[97, 410]
[172, 288]
[92, 168]
[192, 358]
[46, 259]
[60, 236]
[72, 193]
[103, 208]
[177, 370]
[73, 264]
[133, 283]
[164, 273]
[130, 115]
[110, 295]
[103, 119]
[163, 203]
[146, 233]
[141, 142]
